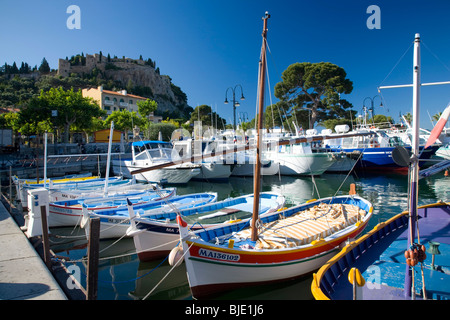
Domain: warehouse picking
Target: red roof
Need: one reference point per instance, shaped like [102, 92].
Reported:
[122, 95]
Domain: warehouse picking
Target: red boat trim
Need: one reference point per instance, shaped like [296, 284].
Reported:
[267, 256]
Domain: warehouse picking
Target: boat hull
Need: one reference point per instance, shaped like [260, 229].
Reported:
[304, 164]
[179, 174]
[114, 222]
[268, 168]
[213, 268]
[228, 276]
[381, 157]
[214, 171]
[343, 163]
[69, 212]
[155, 239]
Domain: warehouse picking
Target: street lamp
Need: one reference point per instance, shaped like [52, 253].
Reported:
[371, 104]
[235, 103]
[243, 117]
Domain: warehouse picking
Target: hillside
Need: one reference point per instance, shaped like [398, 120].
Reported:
[136, 76]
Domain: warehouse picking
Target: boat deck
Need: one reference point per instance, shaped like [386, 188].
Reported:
[384, 270]
[306, 226]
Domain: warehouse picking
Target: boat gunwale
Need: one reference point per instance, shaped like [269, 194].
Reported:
[316, 287]
[148, 220]
[327, 241]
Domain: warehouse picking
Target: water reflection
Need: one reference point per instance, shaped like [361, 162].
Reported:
[122, 276]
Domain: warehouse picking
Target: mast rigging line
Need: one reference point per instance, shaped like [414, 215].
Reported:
[248, 147]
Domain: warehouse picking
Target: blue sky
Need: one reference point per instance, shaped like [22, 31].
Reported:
[209, 46]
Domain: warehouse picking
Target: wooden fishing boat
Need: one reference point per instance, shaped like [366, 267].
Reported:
[154, 237]
[378, 255]
[384, 263]
[114, 222]
[66, 184]
[69, 212]
[290, 244]
[271, 247]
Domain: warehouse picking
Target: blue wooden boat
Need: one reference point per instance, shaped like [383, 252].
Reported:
[379, 256]
[155, 237]
[114, 222]
[406, 257]
[68, 212]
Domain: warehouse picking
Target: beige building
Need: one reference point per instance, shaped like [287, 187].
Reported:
[115, 101]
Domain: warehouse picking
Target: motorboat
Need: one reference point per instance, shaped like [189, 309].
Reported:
[152, 152]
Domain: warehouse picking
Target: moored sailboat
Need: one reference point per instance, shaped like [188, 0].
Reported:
[272, 247]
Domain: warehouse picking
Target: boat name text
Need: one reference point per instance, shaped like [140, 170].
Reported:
[218, 255]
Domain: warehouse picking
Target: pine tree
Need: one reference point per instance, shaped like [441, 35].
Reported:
[44, 67]
[14, 69]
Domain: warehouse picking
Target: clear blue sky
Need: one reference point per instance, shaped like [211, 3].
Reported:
[206, 46]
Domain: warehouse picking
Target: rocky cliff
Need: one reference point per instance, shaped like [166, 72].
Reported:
[136, 75]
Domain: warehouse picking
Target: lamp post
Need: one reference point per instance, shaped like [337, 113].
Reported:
[371, 104]
[243, 117]
[235, 103]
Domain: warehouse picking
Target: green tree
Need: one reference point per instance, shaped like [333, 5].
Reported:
[436, 117]
[408, 118]
[316, 86]
[33, 118]
[154, 129]
[380, 118]
[44, 67]
[205, 114]
[72, 109]
[147, 107]
[125, 120]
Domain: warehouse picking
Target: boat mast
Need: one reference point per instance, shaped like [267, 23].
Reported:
[414, 168]
[257, 176]
[108, 161]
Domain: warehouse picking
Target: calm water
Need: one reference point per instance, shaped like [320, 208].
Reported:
[123, 277]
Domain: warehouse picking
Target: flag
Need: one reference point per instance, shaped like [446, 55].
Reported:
[438, 127]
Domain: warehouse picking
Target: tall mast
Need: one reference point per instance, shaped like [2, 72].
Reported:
[257, 176]
[414, 168]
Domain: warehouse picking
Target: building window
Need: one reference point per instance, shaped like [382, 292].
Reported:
[130, 102]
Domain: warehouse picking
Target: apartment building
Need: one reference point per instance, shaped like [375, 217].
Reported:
[114, 101]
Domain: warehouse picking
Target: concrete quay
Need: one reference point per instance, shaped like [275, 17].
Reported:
[23, 274]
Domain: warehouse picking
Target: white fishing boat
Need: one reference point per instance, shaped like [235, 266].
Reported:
[271, 247]
[245, 166]
[114, 222]
[153, 152]
[154, 237]
[22, 185]
[66, 185]
[210, 168]
[68, 212]
[299, 159]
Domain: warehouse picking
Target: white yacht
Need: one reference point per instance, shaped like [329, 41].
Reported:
[153, 152]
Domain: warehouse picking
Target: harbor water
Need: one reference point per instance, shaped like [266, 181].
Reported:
[123, 277]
